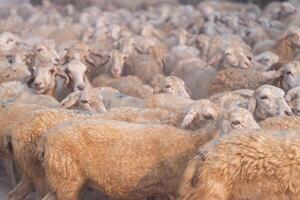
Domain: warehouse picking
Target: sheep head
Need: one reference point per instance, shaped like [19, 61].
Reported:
[268, 101]
[267, 59]
[76, 74]
[118, 60]
[287, 9]
[88, 100]
[234, 56]
[237, 118]
[44, 77]
[43, 53]
[8, 42]
[170, 85]
[291, 75]
[200, 112]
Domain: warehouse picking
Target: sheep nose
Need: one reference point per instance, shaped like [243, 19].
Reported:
[37, 84]
[115, 70]
[288, 113]
[80, 87]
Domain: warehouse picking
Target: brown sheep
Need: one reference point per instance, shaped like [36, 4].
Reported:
[245, 165]
[42, 120]
[157, 163]
[169, 85]
[287, 44]
[281, 123]
[128, 85]
[23, 137]
[234, 79]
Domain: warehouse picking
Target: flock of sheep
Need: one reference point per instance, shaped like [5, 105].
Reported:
[174, 102]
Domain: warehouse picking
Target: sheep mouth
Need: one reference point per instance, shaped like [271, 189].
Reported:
[39, 90]
[115, 75]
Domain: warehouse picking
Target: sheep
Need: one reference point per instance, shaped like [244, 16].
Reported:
[234, 79]
[19, 92]
[291, 75]
[87, 100]
[134, 185]
[232, 98]
[100, 99]
[94, 60]
[14, 72]
[197, 78]
[24, 149]
[143, 66]
[264, 61]
[10, 112]
[249, 164]
[128, 85]
[169, 85]
[178, 104]
[178, 54]
[73, 74]
[22, 138]
[281, 123]
[8, 42]
[285, 47]
[268, 101]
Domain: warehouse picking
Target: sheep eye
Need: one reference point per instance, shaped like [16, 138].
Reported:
[168, 86]
[263, 97]
[289, 73]
[249, 58]
[84, 101]
[67, 71]
[39, 49]
[9, 41]
[235, 123]
[208, 117]
[52, 71]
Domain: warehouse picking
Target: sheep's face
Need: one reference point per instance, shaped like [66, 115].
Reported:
[268, 101]
[200, 113]
[235, 57]
[88, 100]
[175, 86]
[267, 59]
[287, 9]
[76, 72]
[16, 72]
[237, 119]
[91, 101]
[7, 42]
[44, 78]
[291, 75]
[118, 60]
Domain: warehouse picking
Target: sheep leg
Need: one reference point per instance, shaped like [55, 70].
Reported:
[50, 196]
[68, 189]
[41, 187]
[21, 190]
[10, 171]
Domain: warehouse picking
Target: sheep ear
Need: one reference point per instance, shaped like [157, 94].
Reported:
[70, 100]
[8, 144]
[188, 91]
[189, 118]
[62, 74]
[214, 59]
[252, 104]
